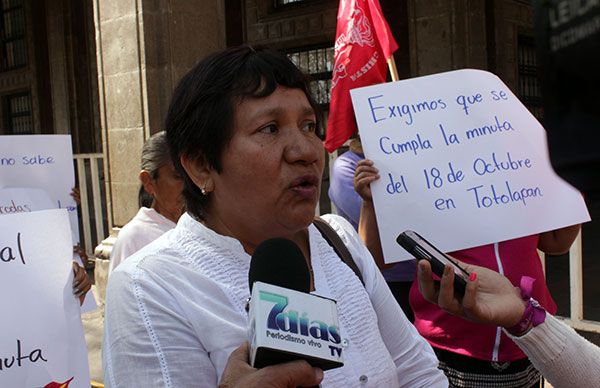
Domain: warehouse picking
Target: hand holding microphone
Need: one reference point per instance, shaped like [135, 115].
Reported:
[287, 323]
[239, 374]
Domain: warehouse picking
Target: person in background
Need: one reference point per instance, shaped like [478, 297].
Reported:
[564, 358]
[348, 201]
[79, 254]
[471, 354]
[163, 184]
[81, 282]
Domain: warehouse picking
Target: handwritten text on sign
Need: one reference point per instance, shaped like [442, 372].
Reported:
[40, 161]
[41, 335]
[461, 161]
[24, 200]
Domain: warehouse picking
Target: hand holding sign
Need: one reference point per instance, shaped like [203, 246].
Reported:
[459, 148]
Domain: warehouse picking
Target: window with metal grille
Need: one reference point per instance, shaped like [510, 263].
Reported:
[12, 35]
[319, 64]
[18, 115]
[529, 83]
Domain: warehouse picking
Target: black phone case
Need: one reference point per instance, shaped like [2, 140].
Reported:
[437, 267]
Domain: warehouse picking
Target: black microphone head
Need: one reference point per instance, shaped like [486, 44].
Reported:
[280, 262]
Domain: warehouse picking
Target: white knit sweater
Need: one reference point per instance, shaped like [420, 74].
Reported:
[564, 358]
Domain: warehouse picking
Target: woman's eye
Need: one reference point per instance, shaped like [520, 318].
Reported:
[271, 128]
[310, 126]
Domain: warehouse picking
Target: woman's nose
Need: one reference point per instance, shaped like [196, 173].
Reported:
[303, 147]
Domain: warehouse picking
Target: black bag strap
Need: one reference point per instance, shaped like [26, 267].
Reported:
[333, 239]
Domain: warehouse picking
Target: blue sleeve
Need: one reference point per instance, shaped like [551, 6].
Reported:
[341, 189]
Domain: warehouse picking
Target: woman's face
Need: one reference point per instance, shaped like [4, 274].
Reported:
[270, 180]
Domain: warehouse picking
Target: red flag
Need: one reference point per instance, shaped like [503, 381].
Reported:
[362, 46]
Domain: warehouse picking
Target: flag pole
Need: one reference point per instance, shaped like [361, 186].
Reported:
[392, 66]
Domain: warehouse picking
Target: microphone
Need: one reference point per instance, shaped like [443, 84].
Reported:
[279, 262]
[286, 322]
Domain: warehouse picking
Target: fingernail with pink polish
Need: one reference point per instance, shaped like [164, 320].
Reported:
[473, 276]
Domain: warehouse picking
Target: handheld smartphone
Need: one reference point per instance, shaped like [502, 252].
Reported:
[422, 249]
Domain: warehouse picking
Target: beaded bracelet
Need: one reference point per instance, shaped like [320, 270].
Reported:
[534, 313]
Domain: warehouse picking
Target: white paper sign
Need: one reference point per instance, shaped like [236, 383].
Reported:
[25, 200]
[41, 335]
[462, 162]
[41, 161]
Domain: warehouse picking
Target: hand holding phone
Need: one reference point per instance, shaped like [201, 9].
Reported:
[422, 249]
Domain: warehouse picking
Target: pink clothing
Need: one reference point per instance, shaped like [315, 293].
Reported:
[513, 258]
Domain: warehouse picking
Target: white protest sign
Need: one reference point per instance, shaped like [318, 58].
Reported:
[41, 335]
[25, 200]
[461, 161]
[41, 161]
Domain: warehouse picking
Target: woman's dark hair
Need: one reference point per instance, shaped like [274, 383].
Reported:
[199, 123]
[155, 154]
[145, 199]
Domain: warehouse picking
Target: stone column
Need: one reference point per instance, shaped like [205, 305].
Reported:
[143, 48]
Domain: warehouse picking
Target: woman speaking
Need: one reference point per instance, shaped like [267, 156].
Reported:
[242, 128]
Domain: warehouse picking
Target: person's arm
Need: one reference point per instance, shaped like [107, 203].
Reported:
[369, 234]
[148, 341]
[563, 357]
[81, 282]
[79, 251]
[341, 189]
[365, 174]
[76, 195]
[239, 374]
[558, 242]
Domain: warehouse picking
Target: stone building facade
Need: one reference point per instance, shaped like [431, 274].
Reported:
[48, 78]
[104, 70]
[143, 48]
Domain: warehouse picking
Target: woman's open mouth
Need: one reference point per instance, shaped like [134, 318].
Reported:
[306, 186]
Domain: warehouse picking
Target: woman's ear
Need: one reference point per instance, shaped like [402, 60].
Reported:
[147, 182]
[199, 172]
